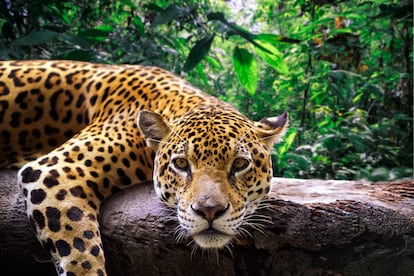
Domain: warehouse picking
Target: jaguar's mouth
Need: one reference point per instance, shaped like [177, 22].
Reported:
[211, 231]
[211, 238]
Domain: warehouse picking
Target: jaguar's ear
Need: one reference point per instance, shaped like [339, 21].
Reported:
[153, 127]
[273, 129]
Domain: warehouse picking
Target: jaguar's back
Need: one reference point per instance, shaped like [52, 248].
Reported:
[44, 103]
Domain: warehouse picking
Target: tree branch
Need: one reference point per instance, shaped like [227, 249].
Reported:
[318, 228]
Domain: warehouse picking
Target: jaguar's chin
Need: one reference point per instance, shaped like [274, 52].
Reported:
[211, 239]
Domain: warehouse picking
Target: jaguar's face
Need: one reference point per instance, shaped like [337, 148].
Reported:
[213, 171]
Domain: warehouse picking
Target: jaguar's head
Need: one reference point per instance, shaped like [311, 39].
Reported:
[213, 167]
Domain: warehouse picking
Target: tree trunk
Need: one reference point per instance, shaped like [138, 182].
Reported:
[317, 228]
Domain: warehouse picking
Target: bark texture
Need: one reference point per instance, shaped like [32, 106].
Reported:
[315, 228]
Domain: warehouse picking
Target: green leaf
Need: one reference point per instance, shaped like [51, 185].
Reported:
[155, 7]
[217, 16]
[300, 161]
[35, 38]
[357, 98]
[338, 74]
[332, 142]
[341, 31]
[198, 52]
[236, 29]
[273, 39]
[246, 69]
[359, 141]
[180, 45]
[139, 25]
[375, 90]
[171, 13]
[284, 147]
[380, 174]
[82, 55]
[271, 55]
[402, 172]
[97, 34]
[74, 40]
[201, 74]
[214, 62]
[129, 3]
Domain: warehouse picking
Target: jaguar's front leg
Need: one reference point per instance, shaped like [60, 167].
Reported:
[64, 213]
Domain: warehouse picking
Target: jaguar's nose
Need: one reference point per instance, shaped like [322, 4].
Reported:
[209, 213]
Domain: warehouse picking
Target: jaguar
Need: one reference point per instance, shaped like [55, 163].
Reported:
[79, 132]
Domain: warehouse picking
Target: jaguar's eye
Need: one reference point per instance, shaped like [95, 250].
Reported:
[239, 164]
[181, 164]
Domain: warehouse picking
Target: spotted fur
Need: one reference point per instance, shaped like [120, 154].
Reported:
[82, 131]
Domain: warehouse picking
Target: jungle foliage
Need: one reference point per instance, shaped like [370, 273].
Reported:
[342, 68]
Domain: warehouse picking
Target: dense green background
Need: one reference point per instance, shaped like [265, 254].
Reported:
[343, 69]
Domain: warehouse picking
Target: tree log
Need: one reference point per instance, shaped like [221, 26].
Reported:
[316, 228]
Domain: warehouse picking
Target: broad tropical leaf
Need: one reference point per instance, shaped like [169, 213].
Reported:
[271, 55]
[35, 38]
[198, 52]
[246, 69]
[167, 15]
[97, 34]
